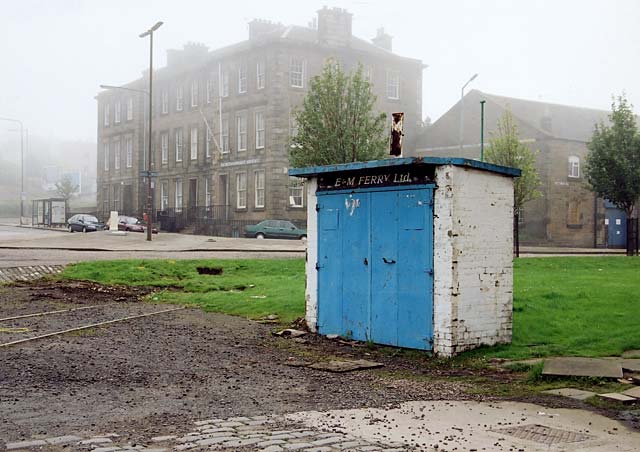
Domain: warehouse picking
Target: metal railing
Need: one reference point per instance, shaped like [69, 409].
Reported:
[212, 220]
[633, 237]
[216, 220]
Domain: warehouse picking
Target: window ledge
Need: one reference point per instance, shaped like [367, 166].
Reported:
[574, 226]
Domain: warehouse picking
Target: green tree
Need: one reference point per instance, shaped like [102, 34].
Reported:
[505, 148]
[613, 162]
[337, 122]
[65, 188]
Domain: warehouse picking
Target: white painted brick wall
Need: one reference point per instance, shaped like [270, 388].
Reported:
[311, 289]
[473, 259]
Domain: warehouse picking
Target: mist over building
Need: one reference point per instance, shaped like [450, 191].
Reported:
[223, 119]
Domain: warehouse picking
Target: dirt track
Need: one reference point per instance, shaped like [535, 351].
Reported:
[152, 373]
[157, 374]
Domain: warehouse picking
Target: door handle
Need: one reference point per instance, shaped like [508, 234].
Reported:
[366, 262]
[388, 261]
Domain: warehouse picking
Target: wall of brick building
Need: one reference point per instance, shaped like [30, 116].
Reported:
[571, 206]
[473, 259]
[544, 221]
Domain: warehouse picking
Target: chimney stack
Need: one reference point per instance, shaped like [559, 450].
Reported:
[259, 27]
[382, 40]
[191, 52]
[334, 26]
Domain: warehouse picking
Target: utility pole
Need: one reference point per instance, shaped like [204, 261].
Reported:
[149, 33]
[462, 110]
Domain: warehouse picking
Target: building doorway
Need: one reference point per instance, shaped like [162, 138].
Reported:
[127, 199]
[224, 194]
[193, 198]
[615, 222]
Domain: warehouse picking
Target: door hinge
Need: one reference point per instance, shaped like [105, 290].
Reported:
[318, 267]
[430, 272]
[317, 207]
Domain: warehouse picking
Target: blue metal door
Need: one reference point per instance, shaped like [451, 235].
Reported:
[616, 222]
[375, 254]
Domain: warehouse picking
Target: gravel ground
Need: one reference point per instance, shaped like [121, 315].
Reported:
[155, 375]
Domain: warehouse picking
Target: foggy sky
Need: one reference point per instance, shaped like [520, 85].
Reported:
[56, 53]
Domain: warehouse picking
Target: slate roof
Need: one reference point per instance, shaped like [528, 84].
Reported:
[566, 121]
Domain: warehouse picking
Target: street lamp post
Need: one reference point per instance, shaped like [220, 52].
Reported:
[482, 102]
[462, 109]
[22, 195]
[149, 33]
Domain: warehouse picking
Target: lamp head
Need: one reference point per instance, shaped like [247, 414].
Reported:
[152, 29]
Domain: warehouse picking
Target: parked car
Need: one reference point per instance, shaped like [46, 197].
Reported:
[275, 229]
[85, 223]
[133, 224]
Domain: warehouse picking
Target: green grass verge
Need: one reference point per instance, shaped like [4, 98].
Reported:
[249, 288]
[582, 306]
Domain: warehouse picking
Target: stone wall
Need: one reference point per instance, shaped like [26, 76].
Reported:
[278, 100]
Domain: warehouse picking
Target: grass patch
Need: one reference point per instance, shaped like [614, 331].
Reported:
[574, 306]
[249, 288]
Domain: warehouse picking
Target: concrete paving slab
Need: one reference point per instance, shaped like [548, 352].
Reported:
[633, 392]
[441, 425]
[617, 397]
[572, 393]
[631, 354]
[631, 365]
[582, 367]
[526, 362]
[345, 366]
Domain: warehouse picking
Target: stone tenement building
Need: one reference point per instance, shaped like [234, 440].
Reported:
[568, 213]
[222, 119]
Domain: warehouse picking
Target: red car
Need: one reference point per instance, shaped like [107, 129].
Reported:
[133, 224]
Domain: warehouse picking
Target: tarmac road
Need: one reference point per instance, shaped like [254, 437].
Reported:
[27, 246]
